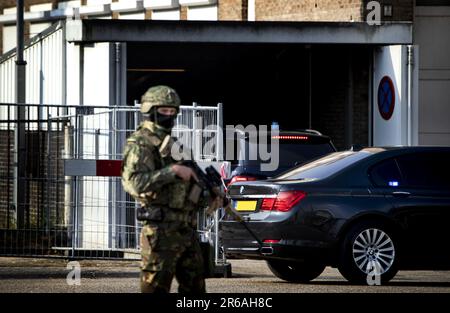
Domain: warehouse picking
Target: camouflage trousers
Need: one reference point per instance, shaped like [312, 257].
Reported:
[169, 251]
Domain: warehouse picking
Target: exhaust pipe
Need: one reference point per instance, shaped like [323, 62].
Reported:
[266, 250]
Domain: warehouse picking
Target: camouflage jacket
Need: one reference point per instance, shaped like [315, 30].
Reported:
[147, 173]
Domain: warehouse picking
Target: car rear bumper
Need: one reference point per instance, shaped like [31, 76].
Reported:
[239, 243]
[278, 251]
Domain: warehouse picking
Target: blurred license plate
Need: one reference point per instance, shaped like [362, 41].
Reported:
[245, 205]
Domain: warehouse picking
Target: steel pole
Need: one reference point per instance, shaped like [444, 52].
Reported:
[20, 191]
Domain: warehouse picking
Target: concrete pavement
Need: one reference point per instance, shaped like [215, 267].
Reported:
[249, 276]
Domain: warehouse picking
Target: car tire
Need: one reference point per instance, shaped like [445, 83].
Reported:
[296, 272]
[369, 254]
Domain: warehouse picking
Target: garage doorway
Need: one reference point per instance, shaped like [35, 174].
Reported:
[299, 86]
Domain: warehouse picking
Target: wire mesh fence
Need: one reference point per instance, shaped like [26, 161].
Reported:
[45, 211]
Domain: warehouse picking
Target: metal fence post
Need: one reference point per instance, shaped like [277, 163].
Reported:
[68, 154]
[219, 134]
[49, 172]
[194, 132]
[97, 143]
[216, 237]
[77, 183]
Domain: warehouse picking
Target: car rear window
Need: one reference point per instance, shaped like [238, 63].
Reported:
[324, 167]
[292, 152]
[386, 174]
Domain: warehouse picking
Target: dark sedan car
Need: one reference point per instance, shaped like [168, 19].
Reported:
[366, 212]
[295, 148]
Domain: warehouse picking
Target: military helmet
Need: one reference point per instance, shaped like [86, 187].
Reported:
[159, 96]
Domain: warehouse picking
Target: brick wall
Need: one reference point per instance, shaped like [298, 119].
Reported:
[308, 10]
[328, 96]
[233, 10]
[45, 180]
[45, 184]
[6, 182]
[183, 12]
[403, 10]
[360, 64]
[328, 10]
[329, 93]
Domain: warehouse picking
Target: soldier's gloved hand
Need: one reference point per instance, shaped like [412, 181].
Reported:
[184, 172]
[216, 203]
[229, 211]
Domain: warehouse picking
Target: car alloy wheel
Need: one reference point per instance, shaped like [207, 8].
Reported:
[373, 250]
[369, 250]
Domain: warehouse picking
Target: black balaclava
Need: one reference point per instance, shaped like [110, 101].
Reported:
[163, 120]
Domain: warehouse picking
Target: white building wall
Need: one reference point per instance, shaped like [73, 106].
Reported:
[197, 2]
[203, 13]
[160, 4]
[7, 82]
[431, 33]
[388, 62]
[251, 11]
[73, 74]
[166, 15]
[36, 28]
[9, 32]
[9, 37]
[132, 16]
[96, 91]
[98, 2]
[391, 61]
[69, 4]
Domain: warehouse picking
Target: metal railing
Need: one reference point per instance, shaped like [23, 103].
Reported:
[80, 216]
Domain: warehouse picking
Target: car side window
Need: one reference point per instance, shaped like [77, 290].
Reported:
[425, 170]
[386, 174]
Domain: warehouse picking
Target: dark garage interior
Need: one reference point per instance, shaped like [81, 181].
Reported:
[262, 83]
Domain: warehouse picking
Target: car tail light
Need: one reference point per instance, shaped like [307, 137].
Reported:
[267, 204]
[239, 178]
[284, 201]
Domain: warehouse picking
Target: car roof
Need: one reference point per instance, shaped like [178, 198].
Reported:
[374, 150]
[379, 153]
[300, 132]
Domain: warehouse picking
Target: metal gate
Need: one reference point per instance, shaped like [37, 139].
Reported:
[74, 204]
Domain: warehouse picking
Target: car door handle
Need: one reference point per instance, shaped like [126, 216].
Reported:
[401, 194]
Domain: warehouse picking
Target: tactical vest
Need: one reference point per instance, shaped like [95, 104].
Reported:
[172, 197]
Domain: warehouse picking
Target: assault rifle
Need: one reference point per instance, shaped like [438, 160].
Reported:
[211, 181]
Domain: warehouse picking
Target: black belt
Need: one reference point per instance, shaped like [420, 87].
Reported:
[157, 214]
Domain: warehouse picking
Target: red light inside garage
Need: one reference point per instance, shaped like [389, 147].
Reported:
[284, 137]
[271, 241]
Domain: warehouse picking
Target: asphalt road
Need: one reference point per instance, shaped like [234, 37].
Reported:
[49, 276]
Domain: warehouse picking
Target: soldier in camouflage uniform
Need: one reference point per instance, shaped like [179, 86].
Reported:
[169, 242]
